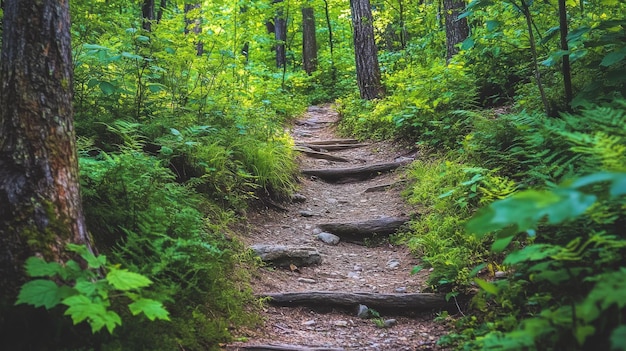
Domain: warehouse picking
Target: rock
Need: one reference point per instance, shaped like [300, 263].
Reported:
[307, 280]
[401, 289]
[389, 323]
[284, 256]
[340, 323]
[309, 323]
[363, 311]
[298, 198]
[393, 263]
[328, 238]
[305, 213]
[500, 275]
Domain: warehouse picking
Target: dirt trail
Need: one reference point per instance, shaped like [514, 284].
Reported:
[346, 267]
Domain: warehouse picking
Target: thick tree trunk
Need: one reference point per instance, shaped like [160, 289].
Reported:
[309, 42]
[40, 209]
[457, 29]
[162, 7]
[366, 53]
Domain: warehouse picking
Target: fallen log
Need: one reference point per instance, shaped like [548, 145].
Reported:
[321, 155]
[284, 256]
[331, 147]
[330, 141]
[361, 172]
[398, 303]
[357, 232]
[284, 347]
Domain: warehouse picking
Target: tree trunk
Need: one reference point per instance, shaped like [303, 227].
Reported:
[280, 35]
[162, 7]
[309, 42]
[567, 74]
[147, 13]
[366, 53]
[457, 30]
[196, 22]
[360, 172]
[40, 209]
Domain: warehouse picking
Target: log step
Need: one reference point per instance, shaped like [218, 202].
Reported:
[330, 141]
[361, 172]
[357, 232]
[331, 147]
[284, 256]
[395, 304]
[320, 155]
[285, 347]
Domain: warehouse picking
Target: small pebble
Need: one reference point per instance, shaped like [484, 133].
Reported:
[307, 280]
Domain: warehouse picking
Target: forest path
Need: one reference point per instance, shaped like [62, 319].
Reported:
[345, 267]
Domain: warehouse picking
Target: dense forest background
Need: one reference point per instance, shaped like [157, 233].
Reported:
[180, 110]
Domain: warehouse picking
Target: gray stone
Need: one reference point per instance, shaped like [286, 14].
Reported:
[298, 198]
[393, 263]
[500, 275]
[328, 238]
[340, 323]
[363, 311]
[307, 280]
[389, 323]
[309, 323]
[305, 213]
[283, 256]
[401, 289]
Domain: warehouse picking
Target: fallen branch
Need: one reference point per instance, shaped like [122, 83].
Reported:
[331, 147]
[403, 304]
[331, 141]
[357, 232]
[383, 187]
[321, 155]
[362, 172]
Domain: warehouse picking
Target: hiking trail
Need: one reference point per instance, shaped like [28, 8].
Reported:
[315, 288]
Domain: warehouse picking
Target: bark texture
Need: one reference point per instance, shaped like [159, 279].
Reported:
[280, 34]
[361, 172]
[40, 207]
[365, 51]
[457, 30]
[194, 22]
[309, 42]
[357, 232]
[147, 13]
[399, 304]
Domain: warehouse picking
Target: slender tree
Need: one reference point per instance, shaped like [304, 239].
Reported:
[280, 34]
[40, 206]
[309, 42]
[194, 22]
[147, 14]
[366, 53]
[567, 74]
[457, 30]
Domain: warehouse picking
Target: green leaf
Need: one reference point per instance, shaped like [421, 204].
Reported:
[82, 308]
[107, 88]
[122, 279]
[488, 287]
[582, 332]
[40, 292]
[151, 308]
[613, 57]
[37, 267]
[416, 269]
[500, 244]
[618, 338]
[533, 252]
